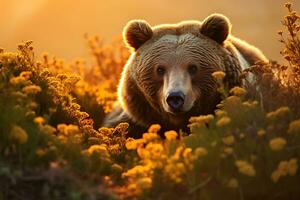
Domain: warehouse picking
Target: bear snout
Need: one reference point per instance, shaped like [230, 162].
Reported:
[175, 101]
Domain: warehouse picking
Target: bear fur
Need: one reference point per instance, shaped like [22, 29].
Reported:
[143, 87]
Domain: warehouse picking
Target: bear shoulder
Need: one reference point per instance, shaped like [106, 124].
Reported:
[249, 52]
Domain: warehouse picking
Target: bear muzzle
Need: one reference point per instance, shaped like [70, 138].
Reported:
[175, 101]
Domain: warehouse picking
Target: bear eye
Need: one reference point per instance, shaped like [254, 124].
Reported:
[160, 70]
[192, 69]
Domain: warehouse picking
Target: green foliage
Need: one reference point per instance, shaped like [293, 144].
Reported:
[37, 155]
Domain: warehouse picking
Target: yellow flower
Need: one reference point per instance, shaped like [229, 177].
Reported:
[200, 151]
[238, 91]
[285, 168]
[228, 150]
[275, 176]
[292, 166]
[233, 183]
[144, 182]
[223, 121]
[218, 75]
[97, 149]
[233, 100]
[202, 119]
[72, 130]
[250, 104]
[132, 187]
[178, 152]
[220, 113]
[245, 168]
[114, 148]
[143, 153]
[136, 171]
[154, 128]
[175, 170]
[131, 144]
[19, 134]
[279, 113]
[17, 80]
[156, 150]
[261, 132]
[47, 129]
[294, 127]
[68, 129]
[229, 140]
[188, 158]
[122, 127]
[105, 131]
[26, 74]
[31, 89]
[276, 144]
[187, 153]
[62, 138]
[39, 120]
[150, 136]
[171, 135]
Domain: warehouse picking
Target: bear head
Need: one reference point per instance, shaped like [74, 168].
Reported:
[168, 77]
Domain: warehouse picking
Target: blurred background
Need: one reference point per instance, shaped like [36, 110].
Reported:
[58, 26]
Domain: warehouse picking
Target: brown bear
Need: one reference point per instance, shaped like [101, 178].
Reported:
[167, 78]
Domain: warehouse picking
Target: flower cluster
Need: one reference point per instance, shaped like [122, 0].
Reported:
[285, 168]
[168, 156]
[277, 144]
[245, 168]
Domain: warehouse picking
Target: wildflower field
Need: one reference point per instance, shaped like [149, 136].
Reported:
[52, 145]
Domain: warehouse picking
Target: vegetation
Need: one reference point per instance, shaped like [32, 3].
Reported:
[53, 147]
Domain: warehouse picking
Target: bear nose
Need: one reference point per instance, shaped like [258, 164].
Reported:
[175, 100]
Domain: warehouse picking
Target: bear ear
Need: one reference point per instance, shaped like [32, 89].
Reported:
[216, 27]
[136, 33]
